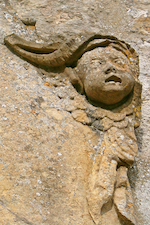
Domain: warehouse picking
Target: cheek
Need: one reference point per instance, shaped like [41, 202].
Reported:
[82, 71]
[93, 80]
[93, 72]
[93, 84]
[127, 78]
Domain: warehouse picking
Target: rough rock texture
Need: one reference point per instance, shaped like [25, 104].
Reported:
[47, 149]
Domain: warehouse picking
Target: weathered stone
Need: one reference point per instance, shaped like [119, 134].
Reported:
[48, 158]
[81, 116]
[108, 76]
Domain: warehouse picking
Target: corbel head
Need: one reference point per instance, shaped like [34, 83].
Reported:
[103, 67]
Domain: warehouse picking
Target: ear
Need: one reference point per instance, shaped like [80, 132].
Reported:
[74, 79]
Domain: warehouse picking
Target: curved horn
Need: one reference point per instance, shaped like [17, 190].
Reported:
[46, 55]
[57, 54]
[53, 55]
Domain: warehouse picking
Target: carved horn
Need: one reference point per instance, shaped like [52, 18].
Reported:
[57, 54]
[47, 55]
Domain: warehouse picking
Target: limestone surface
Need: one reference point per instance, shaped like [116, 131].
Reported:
[49, 136]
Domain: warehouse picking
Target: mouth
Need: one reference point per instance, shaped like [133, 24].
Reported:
[113, 80]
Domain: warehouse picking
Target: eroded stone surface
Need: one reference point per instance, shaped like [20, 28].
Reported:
[106, 75]
[36, 107]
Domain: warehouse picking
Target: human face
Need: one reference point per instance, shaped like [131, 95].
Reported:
[106, 75]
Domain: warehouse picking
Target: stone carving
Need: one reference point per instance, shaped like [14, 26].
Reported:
[106, 70]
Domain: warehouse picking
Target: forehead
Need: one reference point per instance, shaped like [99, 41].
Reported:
[104, 53]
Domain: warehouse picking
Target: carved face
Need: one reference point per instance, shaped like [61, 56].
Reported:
[106, 75]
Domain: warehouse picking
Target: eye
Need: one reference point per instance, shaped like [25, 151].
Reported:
[119, 62]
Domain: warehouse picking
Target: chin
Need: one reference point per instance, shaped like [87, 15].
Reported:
[111, 100]
[107, 97]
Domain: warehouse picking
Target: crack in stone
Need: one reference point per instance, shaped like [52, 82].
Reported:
[16, 215]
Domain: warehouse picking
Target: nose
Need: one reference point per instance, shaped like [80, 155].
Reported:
[109, 68]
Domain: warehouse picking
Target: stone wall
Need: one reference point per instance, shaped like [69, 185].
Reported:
[46, 147]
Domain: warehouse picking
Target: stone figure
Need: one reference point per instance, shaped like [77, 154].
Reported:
[106, 70]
